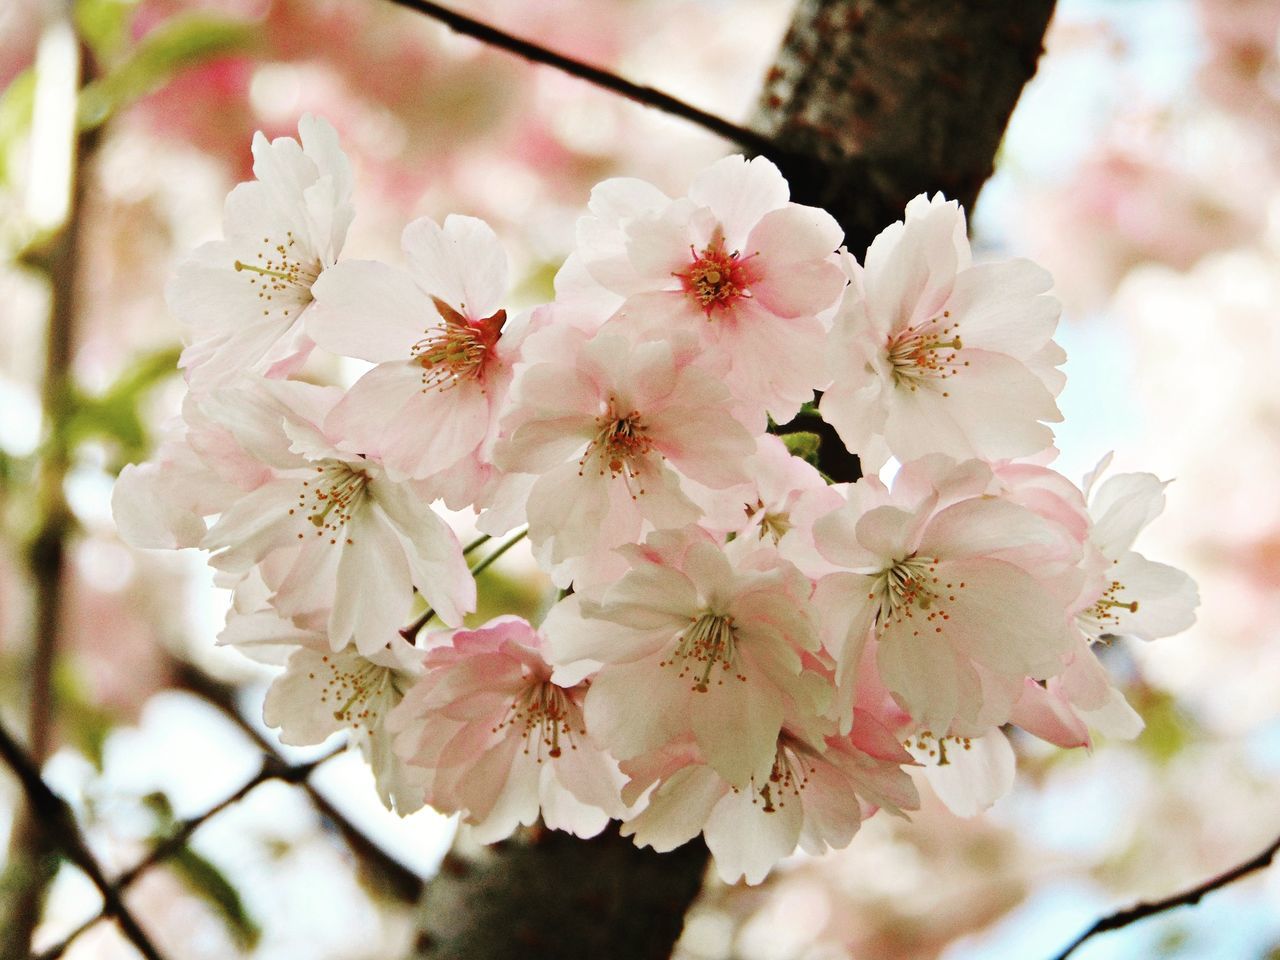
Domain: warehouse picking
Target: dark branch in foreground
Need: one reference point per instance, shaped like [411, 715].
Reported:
[1187, 898]
[382, 869]
[57, 822]
[647, 96]
[272, 769]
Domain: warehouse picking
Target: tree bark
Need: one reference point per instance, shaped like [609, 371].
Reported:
[876, 101]
[871, 102]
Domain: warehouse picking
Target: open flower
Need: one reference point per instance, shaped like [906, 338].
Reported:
[814, 798]
[356, 542]
[242, 299]
[437, 336]
[930, 353]
[609, 429]
[501, 742]
[734, 263]
[692, 644]
[949, 587]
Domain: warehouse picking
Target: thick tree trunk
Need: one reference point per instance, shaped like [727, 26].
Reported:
[876, 101]
[871, 102]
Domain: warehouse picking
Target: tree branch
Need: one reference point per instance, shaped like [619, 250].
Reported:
[382, 869]
[272, 769]
[1187, 898]
[647, 96]
[57, 822]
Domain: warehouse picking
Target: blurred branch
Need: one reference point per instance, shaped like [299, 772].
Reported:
[383, 869]
[30, 869]
[272, 769]
[647, 96]
[1187, 898]
[57, 823]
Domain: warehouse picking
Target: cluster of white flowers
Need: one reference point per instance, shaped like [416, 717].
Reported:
[742, 649]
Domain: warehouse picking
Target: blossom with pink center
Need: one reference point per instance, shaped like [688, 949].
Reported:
[777, 506]
[356, 543]
[436, 334]
[735, 262]
[812, 797]
[1137, 597]
[242, 300]
[930, 353]
[953, 585]
[610, 428]
[322, 692]
[689, 643]
[501, 741]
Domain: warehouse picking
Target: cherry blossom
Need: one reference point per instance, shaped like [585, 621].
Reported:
[605, 429]
[357, 543]
[501, 741]
[1139, 597]
[813, 798]
[930, 353]
[734, 262]
[436, 334]
[945, 580]
[692, 644]
[242, 299]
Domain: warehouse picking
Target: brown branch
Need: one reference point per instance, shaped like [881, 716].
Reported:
[647, 96]
[1187, 898]
[272, 769]
[58, 825]
[381, 868]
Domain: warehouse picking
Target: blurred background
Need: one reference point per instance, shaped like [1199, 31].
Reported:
[1142, 167]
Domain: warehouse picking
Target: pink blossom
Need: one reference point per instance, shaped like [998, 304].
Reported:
[357, 543]
[734, 262]
[692, 644]
[503, 743]
[437, 336]
[609, 429]
[813, 797]
[946, 580]
[242, 299]
[931, 353]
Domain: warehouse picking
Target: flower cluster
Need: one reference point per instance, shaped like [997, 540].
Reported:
[742, 648]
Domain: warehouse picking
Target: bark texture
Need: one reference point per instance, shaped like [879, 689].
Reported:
[870, 102]
[875, 101]
[545, 894]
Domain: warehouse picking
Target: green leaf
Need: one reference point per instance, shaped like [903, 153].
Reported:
[104, 26]
[804, 445]
[85, 723]
[16, 106]
[180, 42]
[116, 415]
[211, 885]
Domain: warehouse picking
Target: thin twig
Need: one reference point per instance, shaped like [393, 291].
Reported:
[272, 769]
[58, 824]
[647, 96]
[399, 880]
[1187, 898]
[411, 632]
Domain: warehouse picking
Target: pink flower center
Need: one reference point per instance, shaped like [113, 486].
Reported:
[772, 525]
[913, 596]
[459, 350]
[927, 351]
[717, 279]
[709, 642]
[621, 442]
[330, 499]
[543, 715]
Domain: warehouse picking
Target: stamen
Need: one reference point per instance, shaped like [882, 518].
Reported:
[621, 443]
[709, 640]
[545, 714]
[927, 351]
[716, 279]
[329, 500]
[459, 350]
